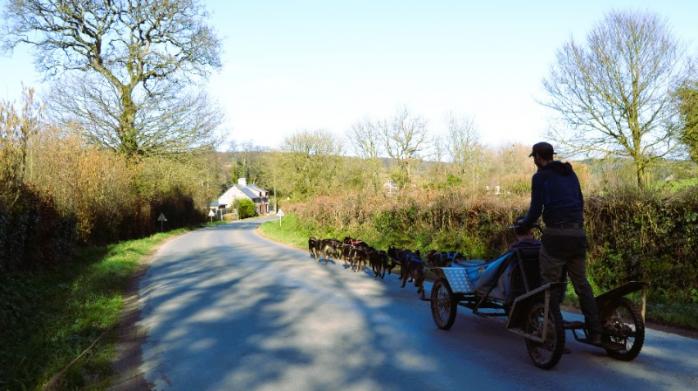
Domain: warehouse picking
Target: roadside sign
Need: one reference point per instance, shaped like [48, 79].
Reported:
[162, 219]
[280, 213]
[211, 214]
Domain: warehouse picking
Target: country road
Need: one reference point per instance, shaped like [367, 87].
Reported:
[224, 309]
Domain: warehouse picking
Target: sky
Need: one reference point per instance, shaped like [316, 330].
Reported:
[293, 65]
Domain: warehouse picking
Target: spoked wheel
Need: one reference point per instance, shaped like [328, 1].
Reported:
[443, 304]
[545, 354]
[624, 330]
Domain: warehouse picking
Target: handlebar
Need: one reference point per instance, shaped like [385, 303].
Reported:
[534, 226]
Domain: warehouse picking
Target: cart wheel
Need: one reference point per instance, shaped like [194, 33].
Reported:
[624, 328]
[545, 354]
[443, 304]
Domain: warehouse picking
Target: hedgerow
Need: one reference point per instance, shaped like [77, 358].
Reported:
[646, 236]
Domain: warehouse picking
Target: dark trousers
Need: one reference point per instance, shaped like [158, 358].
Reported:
[558, 262]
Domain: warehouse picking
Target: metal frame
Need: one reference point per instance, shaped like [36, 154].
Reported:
[521, 305]
[465, 295]
[517, 314]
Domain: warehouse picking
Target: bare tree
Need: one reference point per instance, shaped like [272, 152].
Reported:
[404, 137]
[312, 143]
[141, 52]
[613, 94]
[311, 162]
[176, 122]
[462, 140]
[365, 136]
[464, 147]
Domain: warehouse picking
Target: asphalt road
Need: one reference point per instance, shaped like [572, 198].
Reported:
[225, 309]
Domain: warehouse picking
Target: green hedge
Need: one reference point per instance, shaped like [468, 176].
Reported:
[648, 237]
[645, 236]
[246, 208]
[34, 234]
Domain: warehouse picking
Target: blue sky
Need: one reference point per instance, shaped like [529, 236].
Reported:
[290, 65]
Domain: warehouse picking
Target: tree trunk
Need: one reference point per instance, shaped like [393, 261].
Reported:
[127, 124]
[640, 173]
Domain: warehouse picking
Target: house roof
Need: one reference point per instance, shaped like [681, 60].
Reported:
[248, 191]
[241, 191]
[256, 188]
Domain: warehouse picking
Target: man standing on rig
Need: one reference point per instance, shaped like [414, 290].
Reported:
[557, 195]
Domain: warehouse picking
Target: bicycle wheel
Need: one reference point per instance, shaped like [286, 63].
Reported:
[545, 354]
[443, 304]
[624, 329]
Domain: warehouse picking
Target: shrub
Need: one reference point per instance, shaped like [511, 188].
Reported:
[246, 208]
[56, 191]
[32, 232]
[645, 236]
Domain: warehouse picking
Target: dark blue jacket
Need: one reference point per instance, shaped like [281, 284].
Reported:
[555, 192]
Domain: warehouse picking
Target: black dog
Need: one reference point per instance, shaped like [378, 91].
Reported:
[411, 268]
[330, 249]
[314, 247]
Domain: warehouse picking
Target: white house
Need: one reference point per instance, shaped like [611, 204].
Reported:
[242, 190]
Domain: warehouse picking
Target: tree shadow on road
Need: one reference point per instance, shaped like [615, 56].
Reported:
[248, 314]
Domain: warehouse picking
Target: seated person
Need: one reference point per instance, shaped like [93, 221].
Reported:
[524, 238]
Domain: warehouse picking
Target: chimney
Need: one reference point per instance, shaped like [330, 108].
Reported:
[242, 181]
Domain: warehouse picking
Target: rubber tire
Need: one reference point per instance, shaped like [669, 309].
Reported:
[639, 330]
[440, 284]
[556, 317]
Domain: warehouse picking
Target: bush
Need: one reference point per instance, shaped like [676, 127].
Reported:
[646, 236]
[114, 198]
[246, 208]
[32, 232]
[56, 192]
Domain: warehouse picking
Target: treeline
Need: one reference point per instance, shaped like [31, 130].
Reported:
[57, 191]
[320, 163]
[313, 163]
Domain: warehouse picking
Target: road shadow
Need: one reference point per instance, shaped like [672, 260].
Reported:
[229, 310]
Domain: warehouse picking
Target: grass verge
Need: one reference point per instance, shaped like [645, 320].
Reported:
[49, 317]
[290, 231]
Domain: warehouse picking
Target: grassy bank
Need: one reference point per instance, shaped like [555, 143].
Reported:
[291, 231]
[49, 317]
[295, 232]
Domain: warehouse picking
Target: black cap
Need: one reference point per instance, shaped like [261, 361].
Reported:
[542, 149]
